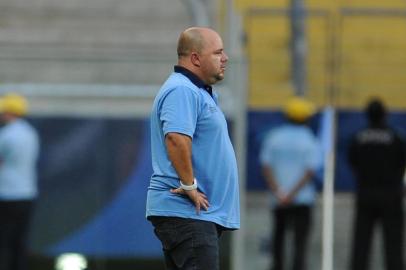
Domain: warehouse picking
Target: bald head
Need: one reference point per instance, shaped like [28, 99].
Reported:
[193, 40]
[200, 50]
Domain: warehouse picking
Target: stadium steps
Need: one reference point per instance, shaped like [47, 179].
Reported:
[369, 59]
[89, 41]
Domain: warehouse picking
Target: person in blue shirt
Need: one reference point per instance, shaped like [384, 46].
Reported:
[289, 156]
[19, 147]
[193, 194]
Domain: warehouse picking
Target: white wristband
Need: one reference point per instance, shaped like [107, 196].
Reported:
[191, 187]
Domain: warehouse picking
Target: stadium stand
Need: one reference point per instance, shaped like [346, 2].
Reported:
[354, 51]
[90, 41]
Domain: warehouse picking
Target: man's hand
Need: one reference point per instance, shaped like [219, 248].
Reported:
[199, 199]
[283, 199]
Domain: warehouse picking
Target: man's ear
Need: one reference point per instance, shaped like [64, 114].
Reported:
[194, 58]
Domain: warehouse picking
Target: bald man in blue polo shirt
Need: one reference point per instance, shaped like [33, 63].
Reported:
[193, 194]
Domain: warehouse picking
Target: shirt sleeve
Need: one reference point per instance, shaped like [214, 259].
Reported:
[179, 111]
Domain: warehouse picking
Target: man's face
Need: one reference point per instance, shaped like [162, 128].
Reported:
[213, 59]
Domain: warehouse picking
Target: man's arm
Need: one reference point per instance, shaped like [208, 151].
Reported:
[271, 183]
[179, 148]
[270, 180]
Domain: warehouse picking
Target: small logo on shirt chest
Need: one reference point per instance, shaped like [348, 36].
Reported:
[212, 109]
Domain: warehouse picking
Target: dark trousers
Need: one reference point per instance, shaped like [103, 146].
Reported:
[188, 243]
[298, 220]
[388, 211]
[14, 224]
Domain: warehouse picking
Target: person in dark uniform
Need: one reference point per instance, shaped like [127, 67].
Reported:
[377, 157]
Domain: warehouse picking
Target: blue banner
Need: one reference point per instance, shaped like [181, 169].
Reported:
[348, 122]
[93, 178]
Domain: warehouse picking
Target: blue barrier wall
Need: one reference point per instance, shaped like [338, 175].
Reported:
[348, 122]
[93, 176]
[94, 173]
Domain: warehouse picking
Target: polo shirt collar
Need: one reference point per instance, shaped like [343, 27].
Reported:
[194, 79]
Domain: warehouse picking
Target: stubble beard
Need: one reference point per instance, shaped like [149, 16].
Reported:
[219, 76]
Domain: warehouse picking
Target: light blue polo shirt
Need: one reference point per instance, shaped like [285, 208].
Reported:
[19, 148]
[182, 107]
[290, 150]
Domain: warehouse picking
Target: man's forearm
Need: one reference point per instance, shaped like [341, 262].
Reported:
[271, 183]
[179, 148]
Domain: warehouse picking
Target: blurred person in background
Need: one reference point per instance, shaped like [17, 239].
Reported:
[193, 194]
[19, 148]
[289, 156]
[377, 157]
